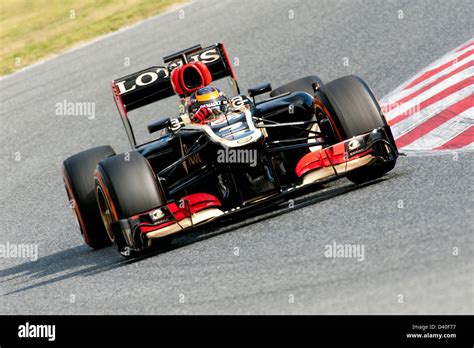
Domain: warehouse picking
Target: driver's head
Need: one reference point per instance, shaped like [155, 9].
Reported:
[210, 97]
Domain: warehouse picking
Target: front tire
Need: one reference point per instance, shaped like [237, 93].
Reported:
[355, 111]
[78, 176]
[126, 186]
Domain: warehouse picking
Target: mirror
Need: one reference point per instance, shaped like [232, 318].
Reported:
[259, 89]
[158, 125]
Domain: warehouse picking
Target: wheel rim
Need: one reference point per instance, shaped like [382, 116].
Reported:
[105, 212]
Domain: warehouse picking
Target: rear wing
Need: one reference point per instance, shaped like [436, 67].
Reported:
[153, 84]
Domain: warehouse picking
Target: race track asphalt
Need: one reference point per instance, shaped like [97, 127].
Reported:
[409, 223]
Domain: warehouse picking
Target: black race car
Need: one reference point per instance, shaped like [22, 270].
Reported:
[221, 156]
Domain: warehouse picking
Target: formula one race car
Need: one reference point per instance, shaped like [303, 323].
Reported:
[221, 156]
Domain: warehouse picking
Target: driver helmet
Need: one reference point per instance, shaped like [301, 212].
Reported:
[210, 97]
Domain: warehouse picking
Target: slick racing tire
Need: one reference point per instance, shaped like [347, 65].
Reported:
[355, 111]
[78, 176]
[304, 84]
[126, 186]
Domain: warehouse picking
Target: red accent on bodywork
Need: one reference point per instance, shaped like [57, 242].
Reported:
[192, 204]
[175, 82]
[118, 101]
[322, 158]
[311, 161]
[148, 228]
[201, 201]
[178, 82]
[329, 156]
[206, 74]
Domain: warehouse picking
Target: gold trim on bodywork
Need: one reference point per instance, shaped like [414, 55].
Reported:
[318, 174]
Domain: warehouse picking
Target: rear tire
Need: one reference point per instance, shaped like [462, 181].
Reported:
[304, 84]
[126, 186]
[78, 176]
[355, 111]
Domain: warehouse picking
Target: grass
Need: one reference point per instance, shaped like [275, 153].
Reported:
[34, 29]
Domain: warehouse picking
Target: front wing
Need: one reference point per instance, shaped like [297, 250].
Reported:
[137, 232]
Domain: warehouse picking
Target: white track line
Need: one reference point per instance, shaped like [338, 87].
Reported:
[419, 117]
[449, 56]
[429, 80]
[444, 132]
[412, 103]
[448, 130]
[469, 147]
